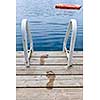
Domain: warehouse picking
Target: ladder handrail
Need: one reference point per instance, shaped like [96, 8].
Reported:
[26, 32]
[71, 26]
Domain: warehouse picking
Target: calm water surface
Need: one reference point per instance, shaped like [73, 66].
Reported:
[47, 24]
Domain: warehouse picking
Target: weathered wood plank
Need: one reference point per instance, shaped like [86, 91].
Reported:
[45, 94]
[50, 53]
[33, 70]
[43, 61]
[49, 80]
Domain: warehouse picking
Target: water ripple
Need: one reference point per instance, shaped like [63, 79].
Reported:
[47, 24]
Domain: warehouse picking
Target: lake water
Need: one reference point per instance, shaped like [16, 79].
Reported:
[47, 24]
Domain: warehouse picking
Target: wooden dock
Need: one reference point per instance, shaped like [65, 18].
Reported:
[48, 77]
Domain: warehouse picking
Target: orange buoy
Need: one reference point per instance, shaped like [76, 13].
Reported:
[68, 6]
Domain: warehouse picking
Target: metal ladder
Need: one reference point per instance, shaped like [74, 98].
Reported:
[28, 53]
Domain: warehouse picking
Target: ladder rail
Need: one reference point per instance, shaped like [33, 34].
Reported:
[26, 33]
[71, 26]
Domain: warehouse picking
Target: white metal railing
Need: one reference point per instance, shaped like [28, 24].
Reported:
[26, 33]
[72, 26]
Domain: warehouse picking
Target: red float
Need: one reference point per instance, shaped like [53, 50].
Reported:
[68, 6]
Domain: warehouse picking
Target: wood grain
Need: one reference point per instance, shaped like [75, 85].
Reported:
[42, 80]
[35, 70]
[50, 53]
[45, 94]
[49, 61]
[62, 83]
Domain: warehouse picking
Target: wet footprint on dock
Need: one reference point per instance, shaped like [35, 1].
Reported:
[51, 77]
[42, 59]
